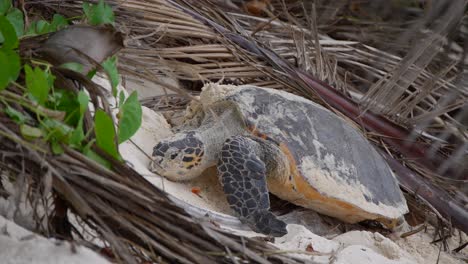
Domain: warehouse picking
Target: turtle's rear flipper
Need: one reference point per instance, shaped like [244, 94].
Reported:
[263, 221]
[242, 175]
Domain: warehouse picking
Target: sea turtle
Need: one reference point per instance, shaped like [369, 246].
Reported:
[264, 140]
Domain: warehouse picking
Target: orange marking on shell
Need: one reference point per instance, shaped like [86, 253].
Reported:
[253, 129]
[297, 190]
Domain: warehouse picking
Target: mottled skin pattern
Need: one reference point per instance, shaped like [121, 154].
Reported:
[189, 150]
[243, 177]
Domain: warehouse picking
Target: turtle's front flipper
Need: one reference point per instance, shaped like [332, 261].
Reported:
[242, 175]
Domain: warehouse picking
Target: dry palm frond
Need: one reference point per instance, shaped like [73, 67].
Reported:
[396, 65]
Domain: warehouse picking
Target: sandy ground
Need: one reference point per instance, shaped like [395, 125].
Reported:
[20, 246]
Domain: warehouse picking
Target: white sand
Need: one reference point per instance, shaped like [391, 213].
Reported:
[18, 246]
[419, 245]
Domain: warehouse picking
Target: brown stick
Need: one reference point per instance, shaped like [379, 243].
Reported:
[438, 198]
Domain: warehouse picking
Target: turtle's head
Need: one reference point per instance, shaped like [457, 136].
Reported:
[180, 157]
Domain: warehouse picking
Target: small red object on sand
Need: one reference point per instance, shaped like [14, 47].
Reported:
[196, 190]
[310, 248]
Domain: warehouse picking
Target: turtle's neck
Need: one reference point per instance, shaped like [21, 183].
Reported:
[216, 129]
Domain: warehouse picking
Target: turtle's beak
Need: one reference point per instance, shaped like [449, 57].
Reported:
[158, 157]
[154, 165]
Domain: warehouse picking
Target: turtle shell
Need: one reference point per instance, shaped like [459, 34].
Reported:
[333, 168]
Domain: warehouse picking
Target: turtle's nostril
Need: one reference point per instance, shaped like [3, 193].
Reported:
[159, 160]
[173, 156]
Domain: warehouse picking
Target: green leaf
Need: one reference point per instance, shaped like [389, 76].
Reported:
[94, 156]
[16, 115]
[37, 82]
[10, 67]
[83, 100]
[42, 27]
[67, 102]
[91, 73]
[78, 134]
[15, 17]
[74, 66]
[31, 30]
[10, 39]
[77, 137]
[4, 6]
[110, 66]
[99, 14]
[105, 133]
[50, 79]
[58, 22]
[56, 130]
[130, 117]
[57, 133]
[30, 132]
[56, 147]
[121, 97]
